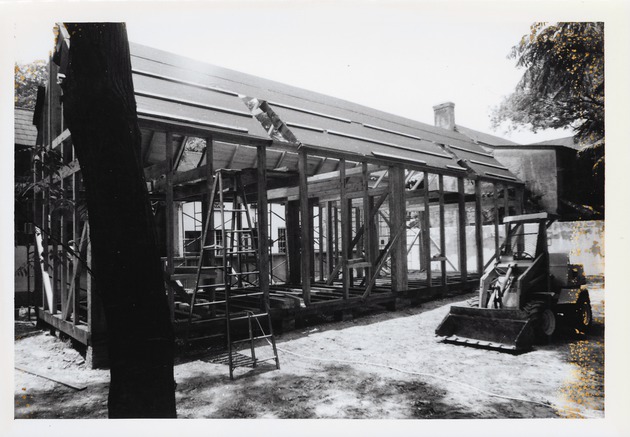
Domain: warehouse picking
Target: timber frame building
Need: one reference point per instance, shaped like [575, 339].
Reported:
[349, 182]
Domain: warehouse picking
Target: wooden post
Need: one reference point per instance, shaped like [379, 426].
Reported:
[360, 246]
[263, 226]
[426, 225]
[206, 198]
[292, 214]
[478, 227]
[305, 225]
[397, 217]
[495, 195]
[170, 221]
[442, 233]
[311, 238]
[345, 235]
[368, 234]
[462, 229]
[506, 201]
[320, 224]
[76, 232]
[336, 234]
[330, 256]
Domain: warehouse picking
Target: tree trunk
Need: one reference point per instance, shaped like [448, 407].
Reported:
[100, 111]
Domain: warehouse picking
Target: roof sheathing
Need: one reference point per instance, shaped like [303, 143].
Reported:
[191, 90]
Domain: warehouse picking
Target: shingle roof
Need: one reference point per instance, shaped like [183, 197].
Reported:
[169, 86]
[25, 131]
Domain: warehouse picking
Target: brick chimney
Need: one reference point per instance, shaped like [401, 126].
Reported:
[445, 115]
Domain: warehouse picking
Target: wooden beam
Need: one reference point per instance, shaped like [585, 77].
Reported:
[334, 175]
[76, 223]
[506, 201]
[495, 196]
[426, 228]
[60, 139]
[359, 243]
[368, 236]
[397, 215]
[263, 228]
[320, 224]
[327, 192]
[478, 227]
[305, 224]
[330, 260]
[442, 232]
[462, 229]
[345, 235]
[312, 203]
[389, 250]
[292, 215]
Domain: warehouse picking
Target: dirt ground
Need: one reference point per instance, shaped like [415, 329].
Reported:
[387, 365]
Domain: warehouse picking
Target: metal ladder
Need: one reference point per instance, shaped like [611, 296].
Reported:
[236, 289]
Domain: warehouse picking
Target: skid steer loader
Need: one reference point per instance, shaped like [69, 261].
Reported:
[523, 294]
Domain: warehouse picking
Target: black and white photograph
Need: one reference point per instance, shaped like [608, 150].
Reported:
[315, 217]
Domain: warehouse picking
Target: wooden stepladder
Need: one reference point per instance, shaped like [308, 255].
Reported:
[227, 281]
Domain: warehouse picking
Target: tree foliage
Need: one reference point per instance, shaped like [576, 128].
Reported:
[563, 82]
[27, 78]
[563, 87]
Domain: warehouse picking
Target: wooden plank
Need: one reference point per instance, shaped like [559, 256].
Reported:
[60, 139]
[426, 228]
[263, 227]
[305, 224]
[398, 214]
[442, 231]
[462, 229]
[323, 192]
[40, 258]
[335, 175]
[75, 289]
[79, 332]
[478, 227]
[345, 235]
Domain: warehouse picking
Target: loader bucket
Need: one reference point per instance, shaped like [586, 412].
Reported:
[508, 330]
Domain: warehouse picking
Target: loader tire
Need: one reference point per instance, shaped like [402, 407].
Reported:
[543, 320]
[583, 315]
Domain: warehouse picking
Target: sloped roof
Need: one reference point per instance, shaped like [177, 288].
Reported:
[485, 138]
[559, 142]
[171, 87]
[25, 131]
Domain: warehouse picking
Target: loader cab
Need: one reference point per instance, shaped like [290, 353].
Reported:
[526, 237]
